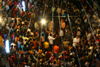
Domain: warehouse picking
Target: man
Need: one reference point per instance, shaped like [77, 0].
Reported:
[76, 41]
[51, 38]
[61, 34]
[36, 25]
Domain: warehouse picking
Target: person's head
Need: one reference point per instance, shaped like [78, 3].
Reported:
[76, 36]
[50, 34]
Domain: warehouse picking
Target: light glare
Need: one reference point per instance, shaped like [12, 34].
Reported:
[43, 21]
[7, 47]
[0, 19]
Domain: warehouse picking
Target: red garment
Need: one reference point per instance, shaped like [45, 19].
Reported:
[15, 10]
[74, 33]
[10, 60]
[34, 42]
[14, 13]
[68, 57]
[48, 54]
[62, 58]
[12, 36]
[65, 52]
[86, 17]
[13, 56]
[52, 59]
[15, 3]
[1, 34]
[82, 1]
[97, 40]
[9, 3]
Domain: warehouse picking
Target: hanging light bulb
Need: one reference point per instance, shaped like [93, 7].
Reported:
[43, 21]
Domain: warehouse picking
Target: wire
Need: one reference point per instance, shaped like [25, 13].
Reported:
[91, 7]
[52, 27]
[61, 36]
[90, 26]
[96, 4]
[73, 37]
[7, 4]
[41, 32]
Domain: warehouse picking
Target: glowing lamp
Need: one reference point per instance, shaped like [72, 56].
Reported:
[7, 47]
[43, 21]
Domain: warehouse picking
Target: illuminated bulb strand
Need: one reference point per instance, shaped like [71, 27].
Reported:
[61, 36]
[96, 4]
[52, 28]
[7, 19]
[91, 7]
[73, 37]
[90, 26]
[40, 36]
[7, 4]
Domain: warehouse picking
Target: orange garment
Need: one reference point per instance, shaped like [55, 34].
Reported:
[40, 51]
[70, 47]
[22, 13]
[63, 25]
[56, 49]
[34, 42]
[1, 42]
[16, 39]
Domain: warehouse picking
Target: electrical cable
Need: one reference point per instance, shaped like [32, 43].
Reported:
[90, 26]
[96, 4]
[73, 37]
[61, 36]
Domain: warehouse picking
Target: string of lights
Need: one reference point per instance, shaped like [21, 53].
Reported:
[90, 26]
[96, 4]
[73, 38]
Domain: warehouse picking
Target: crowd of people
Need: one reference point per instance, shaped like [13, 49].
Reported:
[58, 43]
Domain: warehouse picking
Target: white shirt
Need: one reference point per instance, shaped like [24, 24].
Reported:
[3, 3]
[7, 7]
[51, 39]
[75, 40]
[18, 20]
[88, 36]
[61, 33]
[36, 25]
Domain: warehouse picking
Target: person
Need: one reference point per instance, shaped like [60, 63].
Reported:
[51, 38]
[76, 41]
[36, 25]
[61, 34]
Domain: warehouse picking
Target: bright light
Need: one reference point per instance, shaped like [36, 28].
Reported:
[0, 19]
[43, 21]
[7, 47]
[23, 4]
